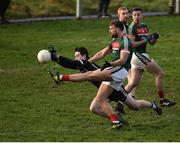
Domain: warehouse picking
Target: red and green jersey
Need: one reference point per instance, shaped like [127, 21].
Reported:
[139, 31]
[117, 45]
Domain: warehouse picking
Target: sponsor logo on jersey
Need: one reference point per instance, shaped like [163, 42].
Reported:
[142, 31]
[115, 46]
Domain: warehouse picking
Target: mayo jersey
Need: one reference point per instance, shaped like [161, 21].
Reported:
[139, 31]
[117, 45]
[125, 29]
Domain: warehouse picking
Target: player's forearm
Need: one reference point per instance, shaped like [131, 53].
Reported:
[101, 54]
[124, 56]
[67, 63]
[119, 62]
[96, 57]
[136, 44]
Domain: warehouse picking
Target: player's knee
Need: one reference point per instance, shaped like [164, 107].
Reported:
[160, 74]
[94, 107]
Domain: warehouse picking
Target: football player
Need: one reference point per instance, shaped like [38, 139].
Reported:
[140, 36]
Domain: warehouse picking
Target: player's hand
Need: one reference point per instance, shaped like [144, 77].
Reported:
[155, 35]
[106, 65]
[147, 38]
[52, 50]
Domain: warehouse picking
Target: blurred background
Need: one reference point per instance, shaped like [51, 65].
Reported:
[40, 8]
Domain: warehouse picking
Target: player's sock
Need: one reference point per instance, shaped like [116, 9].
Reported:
[156, 108]
[153, 105]
[114, 118]
[161, 95]
[64, 77]
[116, 123]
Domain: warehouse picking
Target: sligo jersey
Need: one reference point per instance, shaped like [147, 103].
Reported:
[79, 65]
[117, 45]
[139, 31]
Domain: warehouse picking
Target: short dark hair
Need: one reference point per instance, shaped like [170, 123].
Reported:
[83, 51]
[137, 9]
[117, 24]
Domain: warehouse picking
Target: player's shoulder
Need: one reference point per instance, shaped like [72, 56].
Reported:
[125, 37]
[85, 65]
[113, 39]
[132, 24]
[143, 24]
[132, 28]
[126, 41]
[81, 61]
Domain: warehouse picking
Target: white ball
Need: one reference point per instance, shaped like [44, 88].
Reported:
[44, 56]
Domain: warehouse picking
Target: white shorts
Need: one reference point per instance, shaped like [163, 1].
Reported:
[137, 63]
[118, 74]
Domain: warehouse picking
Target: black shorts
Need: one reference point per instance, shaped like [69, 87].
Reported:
[120, 95]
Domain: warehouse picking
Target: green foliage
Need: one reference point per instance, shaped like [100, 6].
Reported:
[32, 8]
[147, 5]
[33, 108]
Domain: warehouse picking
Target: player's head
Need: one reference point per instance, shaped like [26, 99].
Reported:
[115, 28]
[81, 53]
[137, 15]
[123, 14]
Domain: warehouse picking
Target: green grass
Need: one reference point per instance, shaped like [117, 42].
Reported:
[33, 108]
[32, 8]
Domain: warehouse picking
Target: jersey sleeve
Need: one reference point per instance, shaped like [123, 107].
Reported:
[132, 29]
[68, 63]
[126, 44]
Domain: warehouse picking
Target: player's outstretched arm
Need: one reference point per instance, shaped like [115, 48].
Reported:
[61, 60]
[68, 63]
[99, 55]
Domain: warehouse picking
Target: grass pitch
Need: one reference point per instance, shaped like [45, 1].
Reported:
[33, 108]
